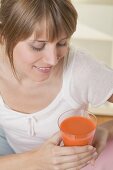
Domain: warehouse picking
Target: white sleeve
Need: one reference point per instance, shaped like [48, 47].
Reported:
[91, 82]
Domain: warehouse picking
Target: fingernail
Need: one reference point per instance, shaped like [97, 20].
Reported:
[95, 154]
[90, 147]
[92, 162]
[94, 149]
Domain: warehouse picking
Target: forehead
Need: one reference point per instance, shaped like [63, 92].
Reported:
[49, 32]
[42, 34]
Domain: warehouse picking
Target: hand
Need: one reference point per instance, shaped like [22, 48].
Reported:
[51, 156]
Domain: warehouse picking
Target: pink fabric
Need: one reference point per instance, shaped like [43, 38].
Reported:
[104, 161]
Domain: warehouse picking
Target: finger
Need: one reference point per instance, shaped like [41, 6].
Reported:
[75, 163]
[74, 158]
[73, 150]
[79, 167]
[73, 168]
[92, 162]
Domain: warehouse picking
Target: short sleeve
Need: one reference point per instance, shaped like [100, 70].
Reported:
[91, 81]
[100, 83]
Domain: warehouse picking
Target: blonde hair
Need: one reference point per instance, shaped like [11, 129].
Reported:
[20, 18]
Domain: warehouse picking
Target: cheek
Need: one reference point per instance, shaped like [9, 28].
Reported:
[24, 56]
[64, 51]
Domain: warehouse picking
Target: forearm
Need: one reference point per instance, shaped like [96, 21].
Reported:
[22, 161]
[109, 126]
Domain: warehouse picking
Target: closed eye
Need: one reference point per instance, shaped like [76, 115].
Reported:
[62, 44]
[38, 48]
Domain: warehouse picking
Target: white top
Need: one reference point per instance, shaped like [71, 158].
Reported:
[84, 81]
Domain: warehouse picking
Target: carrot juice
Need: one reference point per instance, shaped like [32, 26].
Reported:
[77, 131]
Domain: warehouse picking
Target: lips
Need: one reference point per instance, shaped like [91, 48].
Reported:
[43, 69]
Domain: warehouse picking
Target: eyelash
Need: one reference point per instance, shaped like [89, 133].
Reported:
[62, 44]
[39, 49]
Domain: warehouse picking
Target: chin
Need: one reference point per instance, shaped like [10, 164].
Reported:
[42, 79]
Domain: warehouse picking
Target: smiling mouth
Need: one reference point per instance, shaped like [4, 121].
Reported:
[43, 69]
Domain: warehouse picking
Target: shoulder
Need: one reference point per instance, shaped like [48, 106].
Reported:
[85, 62]
[81, 57]
[82, 62]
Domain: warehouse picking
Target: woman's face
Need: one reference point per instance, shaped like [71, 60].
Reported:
[35, 59]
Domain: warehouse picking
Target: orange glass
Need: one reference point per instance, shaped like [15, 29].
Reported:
[77, 129]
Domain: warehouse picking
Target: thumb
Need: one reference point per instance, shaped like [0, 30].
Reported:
[56, 139]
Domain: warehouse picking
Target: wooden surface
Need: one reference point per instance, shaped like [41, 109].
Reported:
[101, 119]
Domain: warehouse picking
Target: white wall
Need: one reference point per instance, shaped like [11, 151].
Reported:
[97, 16]
[96, 1]
[97, 34]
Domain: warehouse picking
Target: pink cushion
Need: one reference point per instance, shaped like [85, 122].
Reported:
[104, 161]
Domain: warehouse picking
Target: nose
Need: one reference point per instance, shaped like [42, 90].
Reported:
[51, 56]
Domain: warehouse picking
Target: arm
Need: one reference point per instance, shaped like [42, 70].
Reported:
[109, 124]
[103, 133]
[17, 161]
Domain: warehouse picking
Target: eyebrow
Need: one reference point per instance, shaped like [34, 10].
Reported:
[46, 40]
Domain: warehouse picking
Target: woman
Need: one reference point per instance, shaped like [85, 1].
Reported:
[41, 76]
